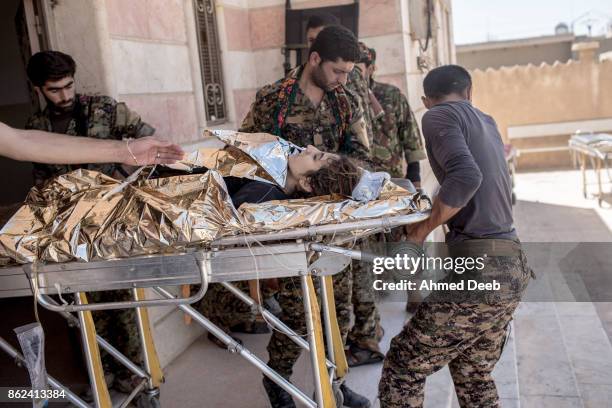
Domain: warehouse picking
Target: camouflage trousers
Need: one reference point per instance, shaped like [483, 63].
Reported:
[468, 337]
[223, 308]
[120, 329]
[283, 352]
[366, 331]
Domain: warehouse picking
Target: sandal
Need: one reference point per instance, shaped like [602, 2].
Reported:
[357, 356]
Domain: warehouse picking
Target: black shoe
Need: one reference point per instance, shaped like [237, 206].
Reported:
[352, 399]
[255, 327]
[278, 397]
[357, 356]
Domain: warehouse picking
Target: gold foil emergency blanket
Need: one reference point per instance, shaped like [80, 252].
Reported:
[286, 214]
[257, 156]
[228, 161]
[70, 220]
[75, 216]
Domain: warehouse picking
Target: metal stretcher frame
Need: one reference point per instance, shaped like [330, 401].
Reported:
[259, 256]
[581, 152]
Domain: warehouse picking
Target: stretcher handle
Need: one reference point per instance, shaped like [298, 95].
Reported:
[129, 304]
[351, 253]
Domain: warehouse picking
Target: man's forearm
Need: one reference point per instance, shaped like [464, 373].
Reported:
[43, 147]
[440, 214]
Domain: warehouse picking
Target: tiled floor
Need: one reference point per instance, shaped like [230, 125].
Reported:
[559, 354]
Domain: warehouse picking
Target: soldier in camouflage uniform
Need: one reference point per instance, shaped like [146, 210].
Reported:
[357, 82]
[52, 74]
[396, 139]
[464, 329]
[219, 305]
[334, 123]
[358, 85]
[366, 333]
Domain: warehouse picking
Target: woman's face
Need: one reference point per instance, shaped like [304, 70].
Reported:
[309, 161]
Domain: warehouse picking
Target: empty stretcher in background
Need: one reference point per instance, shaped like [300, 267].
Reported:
[595, 148]
[511, 155]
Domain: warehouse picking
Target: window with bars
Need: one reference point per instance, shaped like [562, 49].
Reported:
[210, 61]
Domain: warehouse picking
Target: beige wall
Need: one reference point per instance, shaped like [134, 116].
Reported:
[524, 51]
[530, 95]
[517, 52]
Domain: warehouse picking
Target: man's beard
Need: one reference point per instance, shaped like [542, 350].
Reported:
[59, 109]
[318, 78]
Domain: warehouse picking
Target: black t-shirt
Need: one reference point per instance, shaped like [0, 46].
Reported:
[254, 192]
[466, 154]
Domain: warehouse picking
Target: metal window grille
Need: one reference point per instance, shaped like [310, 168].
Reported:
[210, 61]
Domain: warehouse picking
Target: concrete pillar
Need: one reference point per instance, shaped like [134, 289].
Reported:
[586, 50]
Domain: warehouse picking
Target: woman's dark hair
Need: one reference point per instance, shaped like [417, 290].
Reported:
[50, 66]
[446, 80]
[321, 20]
[340, 176]
[335, 42]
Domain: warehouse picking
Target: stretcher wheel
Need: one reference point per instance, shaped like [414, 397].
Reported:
[338, 397]
[148, 401]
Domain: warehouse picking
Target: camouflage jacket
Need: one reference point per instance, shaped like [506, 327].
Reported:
[359, 86]
[94, 116]
[396, 135]
[306, 124]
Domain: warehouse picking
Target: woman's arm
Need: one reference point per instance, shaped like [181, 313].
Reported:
[45, 147]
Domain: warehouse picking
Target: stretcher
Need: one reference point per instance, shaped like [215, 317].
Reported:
[595, 148]
[511, 155]
[63, 287]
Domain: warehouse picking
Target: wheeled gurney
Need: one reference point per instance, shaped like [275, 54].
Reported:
[230, 259]
[597, 149]
[155, 234]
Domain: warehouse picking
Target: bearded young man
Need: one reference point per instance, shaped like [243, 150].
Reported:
[67, 112]
[101, 117]
[311, 105]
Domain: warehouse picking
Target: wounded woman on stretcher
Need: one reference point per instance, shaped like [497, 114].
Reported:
[310, 173]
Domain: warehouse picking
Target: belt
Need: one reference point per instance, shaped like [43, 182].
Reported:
[490, 247]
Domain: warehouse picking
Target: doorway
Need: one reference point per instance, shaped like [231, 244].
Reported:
[296, 49]
[22, 32]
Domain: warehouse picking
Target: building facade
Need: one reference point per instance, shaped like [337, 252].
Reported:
[187, 65]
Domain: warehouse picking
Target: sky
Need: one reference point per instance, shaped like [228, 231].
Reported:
[491, 20]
